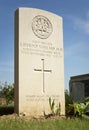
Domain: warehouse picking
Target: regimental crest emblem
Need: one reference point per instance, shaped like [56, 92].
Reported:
[42, 27]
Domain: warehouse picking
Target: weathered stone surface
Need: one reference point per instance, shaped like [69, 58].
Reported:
[39, 67]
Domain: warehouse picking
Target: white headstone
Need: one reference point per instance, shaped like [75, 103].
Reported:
[39, 67]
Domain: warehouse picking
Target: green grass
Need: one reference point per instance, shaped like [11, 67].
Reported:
[61, 124]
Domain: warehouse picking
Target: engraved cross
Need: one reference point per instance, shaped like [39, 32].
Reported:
[43, 71]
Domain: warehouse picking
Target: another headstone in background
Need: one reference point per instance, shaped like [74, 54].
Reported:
[79, 87]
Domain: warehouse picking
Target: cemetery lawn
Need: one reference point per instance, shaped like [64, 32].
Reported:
[44, 124]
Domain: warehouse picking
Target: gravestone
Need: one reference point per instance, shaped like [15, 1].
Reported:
[39, 67]
[79, 87]
[77, 91]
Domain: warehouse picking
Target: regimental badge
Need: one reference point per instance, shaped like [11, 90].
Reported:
[41, 27]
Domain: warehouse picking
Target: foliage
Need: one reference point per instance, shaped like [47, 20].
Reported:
[82, 108]
[79, 109]
[55, 110]
[8, 93]
[69, 110]
[76, 109]
[58, 109]
[51, 104]
[86, 102]
[5, 110]
[68, 99]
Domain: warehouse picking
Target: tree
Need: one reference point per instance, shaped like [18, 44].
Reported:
[68, 99]
[8, 93]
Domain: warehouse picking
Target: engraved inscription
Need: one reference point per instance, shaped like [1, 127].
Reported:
[41, 27]
[41, 97]
[41, 49]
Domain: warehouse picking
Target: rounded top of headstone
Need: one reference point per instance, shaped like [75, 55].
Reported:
[41, 24]
[41, 10]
